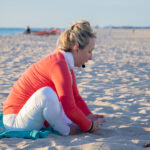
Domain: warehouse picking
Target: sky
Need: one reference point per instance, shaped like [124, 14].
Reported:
[62, 13]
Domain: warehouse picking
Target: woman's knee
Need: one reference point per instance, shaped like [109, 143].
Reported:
[49, 92]
[50, 98]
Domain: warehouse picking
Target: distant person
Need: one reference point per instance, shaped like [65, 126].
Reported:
[28, 30]
[47, 92]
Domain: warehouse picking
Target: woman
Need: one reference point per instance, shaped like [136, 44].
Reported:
[47, 93]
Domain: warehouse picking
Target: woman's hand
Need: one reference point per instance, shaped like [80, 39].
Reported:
[97, 120]
[94, 117]
[96, 126]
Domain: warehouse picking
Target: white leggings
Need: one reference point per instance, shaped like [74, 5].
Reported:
[42, 105]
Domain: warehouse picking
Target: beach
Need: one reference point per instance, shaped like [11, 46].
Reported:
[116, 84]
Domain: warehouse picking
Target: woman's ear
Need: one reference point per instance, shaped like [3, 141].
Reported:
[75, 48]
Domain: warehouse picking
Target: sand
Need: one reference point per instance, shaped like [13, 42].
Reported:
[116, 83]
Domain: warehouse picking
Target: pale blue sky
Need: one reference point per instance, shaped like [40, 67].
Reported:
[62, 13]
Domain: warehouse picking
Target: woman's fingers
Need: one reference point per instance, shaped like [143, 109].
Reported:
[101, 121]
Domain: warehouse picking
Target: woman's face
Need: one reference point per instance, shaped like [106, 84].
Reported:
[82, 56]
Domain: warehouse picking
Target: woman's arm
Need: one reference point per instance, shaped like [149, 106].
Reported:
[63, 84]
[78, 99]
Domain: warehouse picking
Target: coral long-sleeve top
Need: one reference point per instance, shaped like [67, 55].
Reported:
[50, 71]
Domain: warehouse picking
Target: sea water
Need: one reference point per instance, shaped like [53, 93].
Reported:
[7, 31]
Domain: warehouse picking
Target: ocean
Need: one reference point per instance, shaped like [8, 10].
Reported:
[7, 31]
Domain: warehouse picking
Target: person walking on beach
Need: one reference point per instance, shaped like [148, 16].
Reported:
[47, 94]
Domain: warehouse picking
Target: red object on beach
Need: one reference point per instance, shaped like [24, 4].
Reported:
[50, 32]
[54, 31]
[58, 31]
[44, 32]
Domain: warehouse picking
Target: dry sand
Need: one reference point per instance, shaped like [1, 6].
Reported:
[116, 84]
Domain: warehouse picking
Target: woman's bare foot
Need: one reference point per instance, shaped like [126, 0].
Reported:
[73, 130]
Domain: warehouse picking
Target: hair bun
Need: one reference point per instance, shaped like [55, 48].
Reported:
[80, 24]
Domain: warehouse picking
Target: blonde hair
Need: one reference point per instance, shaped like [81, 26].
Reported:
[78, 34]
